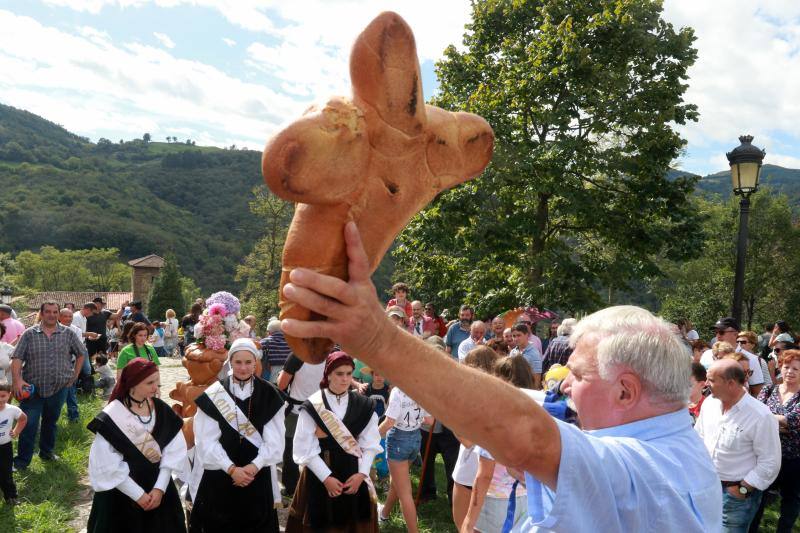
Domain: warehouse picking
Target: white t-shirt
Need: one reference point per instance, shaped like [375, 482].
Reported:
[78, 320]
[756, 377]
[466, 466]
[305, 381]
[8, 415]
[407, 414]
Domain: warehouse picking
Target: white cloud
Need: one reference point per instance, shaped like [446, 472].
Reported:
[97, 88]
[229, 42]
[164, 39]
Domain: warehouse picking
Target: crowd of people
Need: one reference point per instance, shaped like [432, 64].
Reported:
[359, 422]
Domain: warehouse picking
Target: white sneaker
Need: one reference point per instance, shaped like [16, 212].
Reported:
[381, 519]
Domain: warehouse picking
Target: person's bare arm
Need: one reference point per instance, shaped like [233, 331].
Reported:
[16, 377]
[480, 487]
[502, 419]
[283, 380]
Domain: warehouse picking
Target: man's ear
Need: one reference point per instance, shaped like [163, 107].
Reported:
[385, 73]
[628, 390]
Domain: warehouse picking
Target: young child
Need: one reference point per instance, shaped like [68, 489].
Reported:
[401, 429]
[157, 338]
[107, 380]
[378, 390]
[9, 414]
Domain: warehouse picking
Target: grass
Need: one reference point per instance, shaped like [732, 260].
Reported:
[48, 490]
[432, 517]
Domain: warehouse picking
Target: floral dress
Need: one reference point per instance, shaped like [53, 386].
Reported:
[790, 441]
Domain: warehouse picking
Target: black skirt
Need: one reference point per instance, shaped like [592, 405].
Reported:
[220, 506]
[113, 512]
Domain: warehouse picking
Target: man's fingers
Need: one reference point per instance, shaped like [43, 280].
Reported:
[358, 262]
[330, 286]
[308, 329]
[314, 301]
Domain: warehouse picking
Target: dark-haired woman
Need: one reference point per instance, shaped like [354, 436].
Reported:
[239, 438]
[138, 445]
[138, 347]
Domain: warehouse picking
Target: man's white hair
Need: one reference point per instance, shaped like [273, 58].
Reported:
[632, 337]
[566, 327]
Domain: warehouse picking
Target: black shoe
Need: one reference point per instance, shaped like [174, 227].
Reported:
[18, 468]
[12, 501]
[51, 457]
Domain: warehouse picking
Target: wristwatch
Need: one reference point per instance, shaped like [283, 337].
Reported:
[744, 491]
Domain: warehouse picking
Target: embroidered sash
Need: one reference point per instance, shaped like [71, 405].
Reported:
[231, 413]
[134, 430]
[335, 426]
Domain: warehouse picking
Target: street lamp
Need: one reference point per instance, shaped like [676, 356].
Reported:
[5, 295]
[745, 161]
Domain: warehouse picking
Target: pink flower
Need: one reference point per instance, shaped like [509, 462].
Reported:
[215, 342]
[217, 309]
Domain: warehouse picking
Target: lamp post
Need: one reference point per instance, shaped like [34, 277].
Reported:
[745, 161]
[5, 295]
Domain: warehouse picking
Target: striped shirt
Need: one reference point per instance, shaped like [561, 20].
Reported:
[47, 361]
[276, 350]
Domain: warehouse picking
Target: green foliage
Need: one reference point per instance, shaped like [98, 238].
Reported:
[582, 97]
[71, 270]
[167, 291]
[701, 289]
[260, 271]
[141, 197]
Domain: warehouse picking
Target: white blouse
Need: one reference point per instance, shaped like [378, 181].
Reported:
[207, 433]
[108, 470]
[306, 450]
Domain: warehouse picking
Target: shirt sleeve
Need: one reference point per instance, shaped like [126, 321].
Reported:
[767, 448]
[206, 439]
[273, 436]
[293, 364]
[370, 442]
[21, 349]
[305, 447]
[108, 470]
[757, 377]
[393, 409]
[173, 459]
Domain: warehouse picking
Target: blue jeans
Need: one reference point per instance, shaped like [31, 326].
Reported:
[72, 403]
[402, 445]
[48, 409]
[737, 514]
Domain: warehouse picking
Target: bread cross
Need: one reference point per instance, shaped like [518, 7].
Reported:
[377, 159]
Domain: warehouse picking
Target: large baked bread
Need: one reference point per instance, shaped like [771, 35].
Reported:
[377, 159]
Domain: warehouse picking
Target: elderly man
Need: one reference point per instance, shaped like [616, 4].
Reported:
[46, 350]
[477, 331]
[629, 388]
[497, 327]
[558, 349]
[741, 436]
[727, 330]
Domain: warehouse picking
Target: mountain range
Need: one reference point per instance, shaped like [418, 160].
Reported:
[143, 197]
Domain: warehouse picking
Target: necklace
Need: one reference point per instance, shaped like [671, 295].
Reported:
[338, 396]
[249, 410]
[140, 403]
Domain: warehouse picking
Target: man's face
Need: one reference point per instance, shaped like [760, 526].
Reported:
[519, 339]
[429, 310]
[592, 395]
[65, 317]
[465, 316]
[400, 295]
[477, 332]
[727, 334]
[719, 386]
[508, 337]
[87, 312]
[554, 328]
[50, 315]
[498, 325]
[397, 320]
[417, 310]
[100, 306]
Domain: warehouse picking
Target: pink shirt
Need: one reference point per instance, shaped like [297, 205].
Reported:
[14, 328]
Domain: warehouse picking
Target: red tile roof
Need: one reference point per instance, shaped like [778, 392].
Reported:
[113, 299]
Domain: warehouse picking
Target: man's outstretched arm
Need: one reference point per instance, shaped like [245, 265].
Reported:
[484, 409]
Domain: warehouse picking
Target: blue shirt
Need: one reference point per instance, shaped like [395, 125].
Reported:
[532, 355]
[455, 336]
[649, 475]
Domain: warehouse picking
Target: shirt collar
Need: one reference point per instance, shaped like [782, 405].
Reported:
[59, 328]
[649, 428]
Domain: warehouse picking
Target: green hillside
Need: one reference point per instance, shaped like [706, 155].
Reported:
[59, 189]
[778, 179]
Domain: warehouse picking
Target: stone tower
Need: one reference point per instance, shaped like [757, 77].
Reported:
[145, 270]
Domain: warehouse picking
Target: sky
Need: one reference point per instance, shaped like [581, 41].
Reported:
[224, 72]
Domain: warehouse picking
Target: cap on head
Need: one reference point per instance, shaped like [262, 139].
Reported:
[725, 323]
[396, 310]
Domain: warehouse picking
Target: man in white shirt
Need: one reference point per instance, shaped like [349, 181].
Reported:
[79, 318]
[741, 435]
[727, 330]
[477, 331]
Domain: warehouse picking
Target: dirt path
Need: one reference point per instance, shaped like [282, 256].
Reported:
[171, 372]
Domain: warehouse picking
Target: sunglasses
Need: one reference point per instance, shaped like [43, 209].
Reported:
[742, 341]
[777, 350]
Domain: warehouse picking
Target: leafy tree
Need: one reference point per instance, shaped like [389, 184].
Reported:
[106, 271]
[582, 97]
[702, 289]
[72, 270]
[190, 293]
[167, 290]
[261, 270]
[146, 137]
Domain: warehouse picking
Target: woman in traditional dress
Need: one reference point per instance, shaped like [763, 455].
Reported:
[336, 441]
[138, 445]
[239, 438]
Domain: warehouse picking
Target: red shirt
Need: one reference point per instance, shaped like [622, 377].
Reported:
[407, 307]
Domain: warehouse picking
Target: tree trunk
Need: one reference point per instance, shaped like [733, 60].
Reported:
[538, 241]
